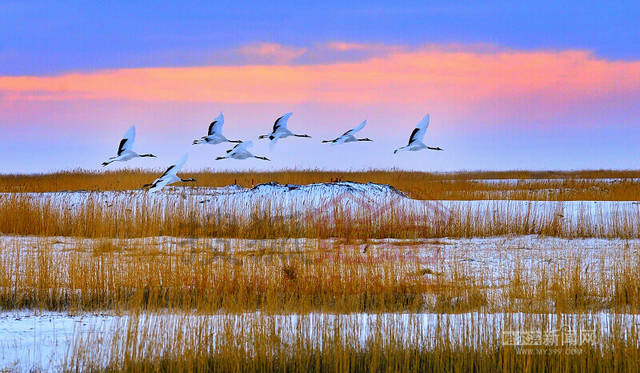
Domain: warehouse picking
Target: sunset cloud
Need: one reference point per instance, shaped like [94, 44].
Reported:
[270, 53]
[341, 46]
[552, 80]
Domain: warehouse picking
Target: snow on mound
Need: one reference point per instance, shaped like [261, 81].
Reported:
[369, 190]
[275, 190]
[322, 192]
[271, 198]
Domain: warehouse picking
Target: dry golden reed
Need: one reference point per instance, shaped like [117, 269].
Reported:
[136, 214]
[307, 276]
[102, 275]
[604, 185]
[327, 343]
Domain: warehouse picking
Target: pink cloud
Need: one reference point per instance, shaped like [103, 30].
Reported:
[341, 46]
[455, 79]
[270, 53]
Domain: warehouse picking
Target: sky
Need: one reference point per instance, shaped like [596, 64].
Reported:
[508, 84]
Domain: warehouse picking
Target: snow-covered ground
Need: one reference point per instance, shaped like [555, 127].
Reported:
[490, 258]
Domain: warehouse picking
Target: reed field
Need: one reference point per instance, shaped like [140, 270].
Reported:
[595, 185]
[241, 213]
[377, 342]
[471, 271]
[304, 275]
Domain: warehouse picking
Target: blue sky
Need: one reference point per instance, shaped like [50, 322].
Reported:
[508, 84]
[50, 37]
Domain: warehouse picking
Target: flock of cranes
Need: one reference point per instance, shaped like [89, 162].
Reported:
[240, 150]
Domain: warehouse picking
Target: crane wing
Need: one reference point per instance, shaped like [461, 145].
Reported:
[127, 141]
[244, 145]
[355, 129]
[241, 146]
[216, 125]
[281, 122]
[272, 144]
[174, 168]
[420, 130]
